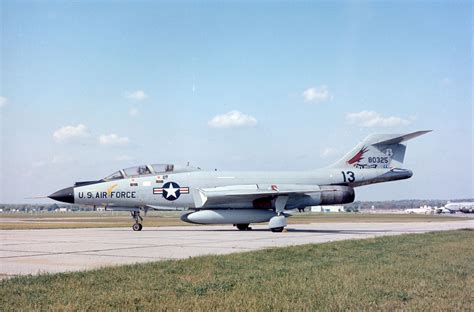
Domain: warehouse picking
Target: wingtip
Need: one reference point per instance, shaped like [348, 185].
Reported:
[421, 132]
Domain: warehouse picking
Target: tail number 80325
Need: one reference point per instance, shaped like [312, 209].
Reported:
[378, 160]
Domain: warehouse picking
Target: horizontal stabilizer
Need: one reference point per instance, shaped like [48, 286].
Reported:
[396, 139]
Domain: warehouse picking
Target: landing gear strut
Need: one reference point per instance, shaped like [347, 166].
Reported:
[278, 222]
[136, 216]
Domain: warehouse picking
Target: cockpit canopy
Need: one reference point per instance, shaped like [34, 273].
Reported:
[143, 170]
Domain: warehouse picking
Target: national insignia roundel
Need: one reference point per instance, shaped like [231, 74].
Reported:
[171, 191]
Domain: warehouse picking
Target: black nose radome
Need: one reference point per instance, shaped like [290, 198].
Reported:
[65, 195]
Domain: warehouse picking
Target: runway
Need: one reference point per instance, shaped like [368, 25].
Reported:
[60, 250]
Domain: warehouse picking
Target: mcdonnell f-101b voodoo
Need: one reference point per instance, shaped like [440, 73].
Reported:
[242, 198]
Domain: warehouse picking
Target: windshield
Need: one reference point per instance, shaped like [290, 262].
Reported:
[114, 176]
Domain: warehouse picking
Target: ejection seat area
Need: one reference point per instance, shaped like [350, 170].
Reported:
[142, 170]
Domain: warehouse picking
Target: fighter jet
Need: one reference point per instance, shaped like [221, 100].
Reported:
[243, 198]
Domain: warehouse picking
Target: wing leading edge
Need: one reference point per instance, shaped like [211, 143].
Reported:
[219, 195]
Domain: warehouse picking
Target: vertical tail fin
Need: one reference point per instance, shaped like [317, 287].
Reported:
[378, 151]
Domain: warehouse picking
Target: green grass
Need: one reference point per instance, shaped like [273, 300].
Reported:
[433, 271]
[156, 219]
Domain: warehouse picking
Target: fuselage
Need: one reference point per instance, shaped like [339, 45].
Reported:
[148, 189]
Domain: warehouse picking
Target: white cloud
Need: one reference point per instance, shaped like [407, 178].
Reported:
[133, 112]
[3, 101]
[232, 119]
[317, 94]
[112, 139]
[138, 95]
[370, 119]
[447, 82]
[327, 152]
[69, 133]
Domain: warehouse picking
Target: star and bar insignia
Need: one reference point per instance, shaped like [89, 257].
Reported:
[170, 190]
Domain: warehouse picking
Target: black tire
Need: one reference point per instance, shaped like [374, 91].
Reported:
[277, 229]
[242, 227]
[137, 227]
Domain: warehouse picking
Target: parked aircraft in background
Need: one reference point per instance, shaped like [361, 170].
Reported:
[466, 207]
[421, 210]
[441, 210]
[242, 198]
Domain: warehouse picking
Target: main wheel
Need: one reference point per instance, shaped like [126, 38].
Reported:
[277, 229]
[137, 227]
[242, 227]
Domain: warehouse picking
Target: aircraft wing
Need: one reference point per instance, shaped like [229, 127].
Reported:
[146, 208]
[249, 192]
[164, 208]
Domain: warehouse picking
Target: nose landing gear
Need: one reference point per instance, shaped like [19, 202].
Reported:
[136, 216]
[137, 227]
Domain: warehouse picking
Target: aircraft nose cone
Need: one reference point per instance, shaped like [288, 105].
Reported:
[65, 195]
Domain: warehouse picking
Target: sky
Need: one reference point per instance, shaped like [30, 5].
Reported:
[90, 87]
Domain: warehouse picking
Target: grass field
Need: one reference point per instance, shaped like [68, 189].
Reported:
[153, 219]
[430, 272]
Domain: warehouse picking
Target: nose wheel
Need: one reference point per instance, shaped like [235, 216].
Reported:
[136, 216]
[137, 227]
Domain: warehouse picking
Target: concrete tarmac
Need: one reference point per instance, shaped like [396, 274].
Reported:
[61, 250]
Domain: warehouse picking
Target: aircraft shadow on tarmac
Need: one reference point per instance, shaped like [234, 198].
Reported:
[290, 230]
[338, 231]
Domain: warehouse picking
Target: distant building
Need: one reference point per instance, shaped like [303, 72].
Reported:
[327, 209]
[422, 210]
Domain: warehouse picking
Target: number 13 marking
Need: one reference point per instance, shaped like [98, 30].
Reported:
[348, 176]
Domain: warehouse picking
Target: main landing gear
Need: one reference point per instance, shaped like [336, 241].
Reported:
[136, 216]
[278, 222]
[243, 227]
[277, 229]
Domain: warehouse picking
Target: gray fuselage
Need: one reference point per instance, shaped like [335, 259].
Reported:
[145, 190]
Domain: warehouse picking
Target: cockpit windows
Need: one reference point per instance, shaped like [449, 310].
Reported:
[114, 176]
[136, 171]
[139, 171]
[163, 167]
